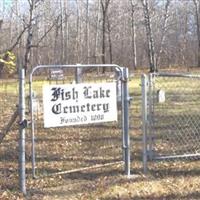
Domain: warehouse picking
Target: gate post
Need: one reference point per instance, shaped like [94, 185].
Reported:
[22, 126]
[125, 109]
[144, 120]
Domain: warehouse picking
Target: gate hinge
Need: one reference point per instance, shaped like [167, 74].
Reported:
[23, 124]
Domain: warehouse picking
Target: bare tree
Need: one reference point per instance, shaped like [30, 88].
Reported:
[56, 40]
[104, 7]
[134, 7]
[197, 15]
[66, 32]
[87, 32]
[149, 35]
[163, 31]
[97, 30]
[105, 30]
[32, 19]
[109, 40]
[78, 34]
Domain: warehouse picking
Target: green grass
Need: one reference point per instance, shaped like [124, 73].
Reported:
[9, 86]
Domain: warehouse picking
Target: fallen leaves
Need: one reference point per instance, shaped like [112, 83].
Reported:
[7, 195]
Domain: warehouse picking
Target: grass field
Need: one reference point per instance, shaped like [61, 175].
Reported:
[77, 147]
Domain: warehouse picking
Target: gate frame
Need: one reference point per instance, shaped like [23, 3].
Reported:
[122, 76]
[22, 132]
[147, 112]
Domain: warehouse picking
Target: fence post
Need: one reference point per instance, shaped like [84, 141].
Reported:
[144, 120]
[78, 75]
[22, 126]
[125, 116]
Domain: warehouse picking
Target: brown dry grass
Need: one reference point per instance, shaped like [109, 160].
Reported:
[84, 147]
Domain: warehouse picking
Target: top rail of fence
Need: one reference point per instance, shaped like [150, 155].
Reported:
[117, 67]
[182, 75]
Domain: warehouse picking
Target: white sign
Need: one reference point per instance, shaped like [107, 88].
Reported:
[57, 74]
[72, 104]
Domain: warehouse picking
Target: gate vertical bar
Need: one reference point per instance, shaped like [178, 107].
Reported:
[122, 113]
[151, 113]
[126, 121]
[144, 120]
[22, 166]
[32, 126]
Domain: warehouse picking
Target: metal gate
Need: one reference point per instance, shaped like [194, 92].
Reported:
[171, 116]
[74, 148]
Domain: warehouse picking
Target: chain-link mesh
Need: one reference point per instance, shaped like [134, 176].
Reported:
[8, 134]
[73, 147]
[174, 117]
[135, 117]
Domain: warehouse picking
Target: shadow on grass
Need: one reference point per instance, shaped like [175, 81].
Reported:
[193, 195]
[86, 182]
[75, 139]
[163, 173]
[89, 165]
[93, 175]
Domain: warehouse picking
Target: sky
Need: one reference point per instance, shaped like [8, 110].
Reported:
[5, 5]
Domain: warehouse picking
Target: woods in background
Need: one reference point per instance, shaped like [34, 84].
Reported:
[131, 33]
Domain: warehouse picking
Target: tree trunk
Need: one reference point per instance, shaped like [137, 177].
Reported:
[96, 53]
[29, 36]
[133, 35]
[109, 41]
[77, 32]
[197, 15]
[56, 47]
[103, 39]
[8, 127]
[163, 32]
[149, 35]
[104, 6]
[87, 32]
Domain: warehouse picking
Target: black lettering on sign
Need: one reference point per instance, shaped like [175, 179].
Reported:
[106, 107]
[56, 93]
[99, 93]
[74, 94]
[56, 109]
[87, 92]
[97, 117]
[64, 95]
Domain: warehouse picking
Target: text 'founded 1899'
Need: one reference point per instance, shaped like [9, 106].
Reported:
[66, 105]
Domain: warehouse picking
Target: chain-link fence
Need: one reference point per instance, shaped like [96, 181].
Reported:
[171, 117]
[8, 134]
[171, 125]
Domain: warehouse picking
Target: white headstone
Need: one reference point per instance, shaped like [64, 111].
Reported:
[161, 96]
